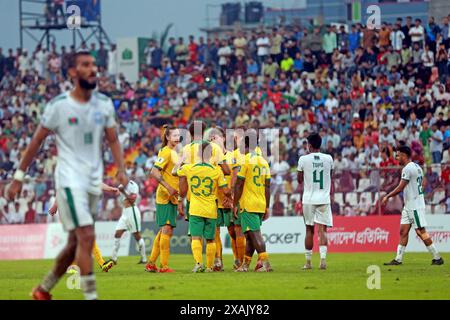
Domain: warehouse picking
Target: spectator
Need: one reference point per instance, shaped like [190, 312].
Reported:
[436, 144]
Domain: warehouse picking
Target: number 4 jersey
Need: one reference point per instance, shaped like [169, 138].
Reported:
[316, 168]
[413, 192]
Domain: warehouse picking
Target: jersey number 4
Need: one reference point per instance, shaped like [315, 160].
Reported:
[320, 179]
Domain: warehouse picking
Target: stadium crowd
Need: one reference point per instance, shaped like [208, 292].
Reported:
[365, 91]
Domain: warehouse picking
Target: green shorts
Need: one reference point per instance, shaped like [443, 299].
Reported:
[225, 217]
[166, 214]
[251, 221]
[237, 221]
[202, 227]
[186, 212]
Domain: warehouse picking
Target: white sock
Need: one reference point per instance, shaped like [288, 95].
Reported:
[308, 255]
[400, 251]
[142, 249]
[89, 287]
[323, 252]
[432, 249]
[115, 249]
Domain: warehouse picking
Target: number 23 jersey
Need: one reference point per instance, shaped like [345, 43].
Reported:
[413, 193]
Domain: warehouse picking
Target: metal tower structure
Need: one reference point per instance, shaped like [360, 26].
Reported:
[41, 25]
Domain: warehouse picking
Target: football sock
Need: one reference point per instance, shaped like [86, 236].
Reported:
[210, 254]
[115, 249]
[155, 249]
[97, 255]
[196, 246]
[142, 248]
[233, 247]
[400, 252]
[263, 256]
[218, 244]
[323, 252]
[49, 281]
[432, 249]
[240, 245]
[247, 260]
[88, 286]
[164, 248]
[308, 255]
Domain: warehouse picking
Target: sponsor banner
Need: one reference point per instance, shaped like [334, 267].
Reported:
[56, 239]
[128, 64]
[18, 242]
[104, 235]
[363, 234]
[104, 231]
[179, 243]
[439, 230]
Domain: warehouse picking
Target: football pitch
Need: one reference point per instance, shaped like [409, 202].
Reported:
[346, 278]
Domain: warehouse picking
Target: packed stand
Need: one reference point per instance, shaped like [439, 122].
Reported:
[365, 91]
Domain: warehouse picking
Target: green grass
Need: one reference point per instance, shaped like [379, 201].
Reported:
[345, 278]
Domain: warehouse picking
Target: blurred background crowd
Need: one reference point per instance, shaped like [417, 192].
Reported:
[365, 91]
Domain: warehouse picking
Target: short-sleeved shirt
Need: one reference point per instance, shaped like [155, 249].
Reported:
[316, 168]
[413, 192]
[79, 130]
[255, 172]
[203, 180]
[190, 151]
[167, 159]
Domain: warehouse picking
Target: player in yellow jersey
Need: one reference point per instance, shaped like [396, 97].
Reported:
[225, 217]
[166, 199]
[104, 265]
[238, 158]
[190, 155]
[203, 179]
[253, 189]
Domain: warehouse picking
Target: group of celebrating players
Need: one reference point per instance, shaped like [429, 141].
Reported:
[221, 187]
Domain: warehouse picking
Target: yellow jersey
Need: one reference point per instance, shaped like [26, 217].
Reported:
[255, 172]
[190, 152]
[228, 159]
[203, 180]
[167, 159]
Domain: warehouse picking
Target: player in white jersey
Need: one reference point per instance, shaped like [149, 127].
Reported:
[314, 172]
[80, 119]
[413, 212]
[130, 220]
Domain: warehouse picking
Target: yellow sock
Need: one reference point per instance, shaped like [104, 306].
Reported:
[210, 254]
[97, 254]
[165, 250]
[263, 256]
[247, 260]
[155, 249]
[240, 245]
[218, 244]
[233, 247]
[197, 248]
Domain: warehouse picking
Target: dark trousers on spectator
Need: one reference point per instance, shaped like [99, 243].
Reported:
[437, 156]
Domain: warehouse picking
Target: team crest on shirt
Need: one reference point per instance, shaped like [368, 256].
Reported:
[98, 118]
[73, 121]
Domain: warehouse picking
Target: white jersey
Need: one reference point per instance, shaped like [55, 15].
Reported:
[413, 192]
[79, 130]
[316, 168]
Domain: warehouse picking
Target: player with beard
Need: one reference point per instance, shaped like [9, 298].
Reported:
[80, 119]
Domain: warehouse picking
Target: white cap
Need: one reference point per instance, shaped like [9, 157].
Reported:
[356, 115]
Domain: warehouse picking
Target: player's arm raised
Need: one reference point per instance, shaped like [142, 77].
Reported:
[31, 151]
[116, 150]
